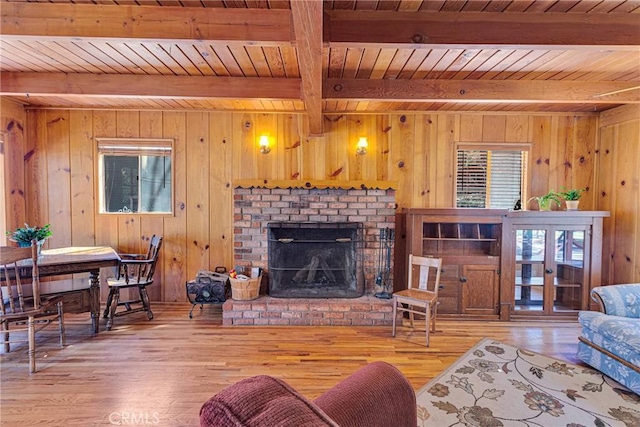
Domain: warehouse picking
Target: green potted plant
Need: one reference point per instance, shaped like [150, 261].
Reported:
[545, 201]
[24, 235]
[572, 198]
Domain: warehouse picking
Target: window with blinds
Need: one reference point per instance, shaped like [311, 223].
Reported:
[490, 178]
[135, 175]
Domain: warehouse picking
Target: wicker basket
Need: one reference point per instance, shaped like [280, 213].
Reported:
[244, 290]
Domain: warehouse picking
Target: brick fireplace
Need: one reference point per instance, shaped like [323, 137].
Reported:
[257, 204]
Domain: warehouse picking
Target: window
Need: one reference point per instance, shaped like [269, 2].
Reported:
[490, 178]
[135, 175]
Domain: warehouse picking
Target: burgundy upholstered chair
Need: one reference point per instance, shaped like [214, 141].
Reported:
[375, 395]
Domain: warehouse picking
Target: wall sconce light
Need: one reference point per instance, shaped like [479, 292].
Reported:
[263, 142]
[362, 146]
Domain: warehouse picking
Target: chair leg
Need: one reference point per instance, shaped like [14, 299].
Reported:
[433, 315]
[428, 319]
[395, 310]
[63, 336]
[5, 336]
[411, 317]
[108, 307]
[144, 297]
[115, 298]
[31, 326]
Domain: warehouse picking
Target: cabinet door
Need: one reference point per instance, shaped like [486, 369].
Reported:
[479, 289]
[571, 264]
[531, 275]
[449, 290]
[551, 269]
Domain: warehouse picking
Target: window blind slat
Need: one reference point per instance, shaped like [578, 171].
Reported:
[471, 179]
[489, 178]
[506, 179]
[135, 147]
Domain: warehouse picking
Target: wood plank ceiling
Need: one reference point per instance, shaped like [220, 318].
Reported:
[322, 57]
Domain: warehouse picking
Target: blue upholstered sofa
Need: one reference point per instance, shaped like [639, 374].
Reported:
[610, 340]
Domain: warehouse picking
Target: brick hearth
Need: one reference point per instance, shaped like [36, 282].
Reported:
[364, 311]
[255, 205]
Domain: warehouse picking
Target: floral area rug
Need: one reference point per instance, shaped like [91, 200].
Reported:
[494, 384]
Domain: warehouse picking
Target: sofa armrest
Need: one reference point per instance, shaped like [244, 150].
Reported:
[618, 300]
[261, 401]
[376, 395]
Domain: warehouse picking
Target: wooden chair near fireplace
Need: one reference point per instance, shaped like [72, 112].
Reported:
[134, 271]
[421, 295]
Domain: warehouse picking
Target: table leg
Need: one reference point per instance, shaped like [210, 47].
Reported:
[94, 296]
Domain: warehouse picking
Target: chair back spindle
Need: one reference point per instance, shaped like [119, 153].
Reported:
[12, 285]
[154, 250]
[426, 268]
[141, 272]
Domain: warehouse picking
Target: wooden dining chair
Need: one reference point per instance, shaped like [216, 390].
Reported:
[421, 295]
[25, 310]
[134, 271]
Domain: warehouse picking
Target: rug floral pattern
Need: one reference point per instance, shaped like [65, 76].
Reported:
[494, 385]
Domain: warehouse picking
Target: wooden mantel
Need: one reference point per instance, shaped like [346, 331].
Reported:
[315, 184]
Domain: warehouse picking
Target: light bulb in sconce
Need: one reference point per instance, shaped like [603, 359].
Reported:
[363, 145]
[263, 142]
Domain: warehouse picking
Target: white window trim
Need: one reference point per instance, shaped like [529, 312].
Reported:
[150, 146]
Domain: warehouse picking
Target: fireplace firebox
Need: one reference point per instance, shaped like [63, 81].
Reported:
[315, 260]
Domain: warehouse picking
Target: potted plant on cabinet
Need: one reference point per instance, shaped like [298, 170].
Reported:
[24, 235]
[545, 201]
[572, 198]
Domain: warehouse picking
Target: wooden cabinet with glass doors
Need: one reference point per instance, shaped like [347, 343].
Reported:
[505, 264]
[550, 262]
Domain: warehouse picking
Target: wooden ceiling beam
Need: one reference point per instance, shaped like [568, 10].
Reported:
[147, 23]
[307, 24]
[512, 91]
[146, 86]
[472, 30]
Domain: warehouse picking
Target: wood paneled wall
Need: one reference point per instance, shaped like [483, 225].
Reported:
[617, 191]
[12, 190]
[213, 149]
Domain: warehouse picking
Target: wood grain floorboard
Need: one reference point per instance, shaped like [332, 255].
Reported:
[161, 371]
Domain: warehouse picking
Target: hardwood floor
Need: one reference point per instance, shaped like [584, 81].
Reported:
[161, 371]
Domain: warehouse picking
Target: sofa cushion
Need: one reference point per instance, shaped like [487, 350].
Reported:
[353, 401]
[617, 348]
[261, 401]
[622, 331]
[609, 366]
[620, 300]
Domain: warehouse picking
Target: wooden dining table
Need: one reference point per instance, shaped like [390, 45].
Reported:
[78, 296]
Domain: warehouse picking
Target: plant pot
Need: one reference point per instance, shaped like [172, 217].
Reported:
[27, 244]
[572, 205]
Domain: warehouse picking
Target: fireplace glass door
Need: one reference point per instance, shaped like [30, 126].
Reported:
[315, 260]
